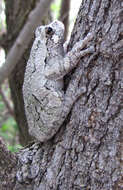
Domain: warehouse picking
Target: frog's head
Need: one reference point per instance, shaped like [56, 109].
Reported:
[55, 31]
[52, 34]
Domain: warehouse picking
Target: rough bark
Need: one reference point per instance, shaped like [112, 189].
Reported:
[86, 151]
[8, 163]
[16, 16]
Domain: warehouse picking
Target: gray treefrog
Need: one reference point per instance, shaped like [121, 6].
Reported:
[46, 103]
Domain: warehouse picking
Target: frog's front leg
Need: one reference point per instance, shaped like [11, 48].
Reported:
[65, 64]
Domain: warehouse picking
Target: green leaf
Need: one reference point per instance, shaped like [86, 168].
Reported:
[14, 148]
[10, 126]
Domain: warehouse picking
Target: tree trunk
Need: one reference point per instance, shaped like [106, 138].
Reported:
[86, 151]
[16, 16]
[8, 163]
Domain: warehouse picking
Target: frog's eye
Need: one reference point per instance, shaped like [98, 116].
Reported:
[49, 30]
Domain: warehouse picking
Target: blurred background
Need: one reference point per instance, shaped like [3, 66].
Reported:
[8, 127]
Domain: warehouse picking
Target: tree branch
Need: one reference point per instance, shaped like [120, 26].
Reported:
[2, 38]
[24, 38]
[64, 15]
[6, 102]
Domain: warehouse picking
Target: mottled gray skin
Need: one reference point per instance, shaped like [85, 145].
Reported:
[46, 105]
